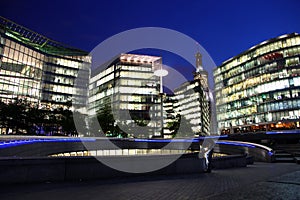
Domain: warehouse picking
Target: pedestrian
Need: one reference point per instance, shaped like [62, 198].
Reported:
[206, 152]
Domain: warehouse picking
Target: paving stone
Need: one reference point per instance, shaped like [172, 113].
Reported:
[258, 181]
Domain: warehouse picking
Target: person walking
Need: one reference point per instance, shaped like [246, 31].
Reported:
[206, 152]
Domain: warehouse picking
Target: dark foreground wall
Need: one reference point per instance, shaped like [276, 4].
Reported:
[28, 170]
[76, 168]
[231, 161]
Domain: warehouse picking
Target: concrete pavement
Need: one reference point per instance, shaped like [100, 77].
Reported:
[258, 181]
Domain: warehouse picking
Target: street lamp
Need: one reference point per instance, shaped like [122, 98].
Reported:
[161, 73]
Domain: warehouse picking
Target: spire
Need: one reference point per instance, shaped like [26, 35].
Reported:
[200, 73]
[198, 56]
[199, 62]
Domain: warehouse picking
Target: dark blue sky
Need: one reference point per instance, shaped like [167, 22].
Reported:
[223, 28]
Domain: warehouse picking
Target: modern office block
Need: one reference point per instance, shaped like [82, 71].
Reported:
[259, 89]
[171, 115]
[38, 69]
[193, 103]
[130, 89]
[194, 106]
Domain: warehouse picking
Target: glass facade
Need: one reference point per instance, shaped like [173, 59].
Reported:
[258, 90]
[194, 105]
[129, 85]
[190, 105]
[38, 69]
[171, 115]
[21, 71]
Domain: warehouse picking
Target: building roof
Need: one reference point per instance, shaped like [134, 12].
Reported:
[126, 58]
[139, 58]
[36, 40]
[260, 45]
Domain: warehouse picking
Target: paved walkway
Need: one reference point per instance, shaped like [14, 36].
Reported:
[258, 181]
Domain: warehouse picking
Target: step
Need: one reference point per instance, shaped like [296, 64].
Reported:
[296, 154]
[279, 150]
[283, 155]
[288, 150]
[291, 149]
[286, 147]
[290, 159]
[297, 160]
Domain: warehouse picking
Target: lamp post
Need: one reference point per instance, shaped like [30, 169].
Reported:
[161, 73]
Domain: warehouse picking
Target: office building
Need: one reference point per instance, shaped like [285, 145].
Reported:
[193, 101]
[171, 115]
[40, 74]
[38, 69]
[259, 89]
[130, 89]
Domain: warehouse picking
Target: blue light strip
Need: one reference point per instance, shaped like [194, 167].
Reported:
[243, 144]
[12, 143]
[213, 137]
[7, 144]
[283, 132]
[236, 144]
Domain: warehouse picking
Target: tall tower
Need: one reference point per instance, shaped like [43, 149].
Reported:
[200, 73]
[207, 101]
[201, 76]
[199, 61]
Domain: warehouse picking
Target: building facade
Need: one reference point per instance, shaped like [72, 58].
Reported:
[193, 103]
[131, 90]
[38, 69]
[259, 90]
[171, 115]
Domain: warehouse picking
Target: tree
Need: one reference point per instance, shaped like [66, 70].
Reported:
[3, 116]
[67, 122]
[174, 125]
[107, 123]
[106, 119]
[24, 117]
[16, 115]
[181, 127]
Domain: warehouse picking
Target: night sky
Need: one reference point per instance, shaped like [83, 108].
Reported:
[223, 28]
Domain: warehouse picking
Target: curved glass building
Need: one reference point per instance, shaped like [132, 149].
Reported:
[38, 69]
[259, 90]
